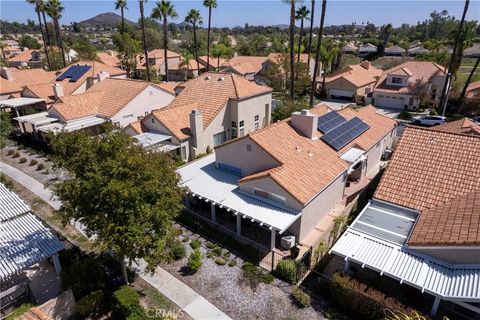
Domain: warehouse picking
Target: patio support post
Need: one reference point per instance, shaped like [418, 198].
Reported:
[56, 264]
[435, 305]
[239, 223]
[187, 202]
[346, 268]
[272, 239]
[214, 215]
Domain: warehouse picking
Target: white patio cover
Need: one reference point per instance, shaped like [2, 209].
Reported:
[19, 102]
[207, 182]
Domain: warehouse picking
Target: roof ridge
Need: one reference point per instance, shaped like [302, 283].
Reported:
[431, 129]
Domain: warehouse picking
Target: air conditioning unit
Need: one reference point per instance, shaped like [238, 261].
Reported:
[288, 242]
[387, 154]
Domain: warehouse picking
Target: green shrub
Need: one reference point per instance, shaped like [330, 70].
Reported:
[249, 269]
[83, 276]
[177, 250]
[22, 160]
[128, 303]
[227, 254]
[6, 180]
[210, 255]
[33, 162]
[16, 154]
[301, 298]
[195, 244]
[10, 152]
[185, 239]
[220, 261]
[266, 278]
[287, 270]
[195, 260]
[232, 263]
[89, 304]
[19, 311]
[40, 166]
[405, 115]
[217, 251]
[210, 245]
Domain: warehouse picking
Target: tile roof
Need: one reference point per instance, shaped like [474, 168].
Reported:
[25, 77]
[357, 75]
[247, 64]
[465, 126]
[276, 57]
[209, 92]
[453, 222]
[44, 91]
[109, 58]
[9, 86]
[23, 56]
[214, 62]
[159, 56]
[434, 172]
[79, 105]
[137, 126]
[395, 49]
[420, 73]
[473, 89]
[307, 166]
[169, 86]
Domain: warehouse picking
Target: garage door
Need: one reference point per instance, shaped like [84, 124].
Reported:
[334, 93]
[390, 102]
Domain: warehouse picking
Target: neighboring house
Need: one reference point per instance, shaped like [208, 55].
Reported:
[13, 80]
[156, 59]
[413, 52]
[24, 243]
[210, 110]
[473, 90]
[277, 58]
[71, 84]
[249, 67]
[120, 101]
[407, 85]
[353, 83]
[367, 49]
[463, 126]
[349, 48]
[29, 57]
[11, 43]
[473, 51]
[183, 71]
[285, 179]
[422, 226]
[11, 51]
[395, 51]
[215, 63]
[109, 57]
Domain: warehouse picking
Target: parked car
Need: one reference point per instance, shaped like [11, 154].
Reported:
[429, 120]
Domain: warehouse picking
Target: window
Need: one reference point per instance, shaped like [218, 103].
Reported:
[229, 169]
[128, 116]
[219, 138]
[261, 193]
[396, 80]
[256, 123]
[269, 196]
[184, 152]
[234, 124]
[153, 120]
[234, 133]
[242, 132]
[257, 126]
[241, 124]
[257, 117]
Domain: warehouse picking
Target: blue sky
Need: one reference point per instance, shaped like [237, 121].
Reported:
[257, 12]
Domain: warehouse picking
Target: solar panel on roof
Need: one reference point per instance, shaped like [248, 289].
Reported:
[67, 74]
[345, 133]
[74, 73]
[81, 71]
[330, 121]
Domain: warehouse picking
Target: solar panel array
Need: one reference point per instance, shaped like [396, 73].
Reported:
[345, 133]
[330, 121]
[74, 73]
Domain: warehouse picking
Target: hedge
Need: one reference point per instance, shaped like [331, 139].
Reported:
[128, 304]
[88, 304]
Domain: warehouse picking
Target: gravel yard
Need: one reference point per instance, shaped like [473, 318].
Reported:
[226, 287]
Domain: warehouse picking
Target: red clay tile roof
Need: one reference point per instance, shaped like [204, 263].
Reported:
[169, 86]
[109, 58]
[214, 62]
[23, 56]
[454, 222]
[473, 89]
[8, 86]
[137, 126]
[78, 105]
[357, 75]
[159, 56]
[25, 77]
[247, 64]
[420, 73]
[465, 126]
[307, 166]
[209, 92]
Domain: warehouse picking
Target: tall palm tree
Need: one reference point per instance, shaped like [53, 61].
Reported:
[446, 86]
[185, 65]
[467, 36]
[122, 5]
[467, 83]
[144, 39]
[164, 10]
[327, 55]
[302, 14]
[194, 18]
[54, 9]
[210, 4]
[37, 10]
[291, 45]
[310, 34]
[317, 54]
[386, 32]
[42, 8]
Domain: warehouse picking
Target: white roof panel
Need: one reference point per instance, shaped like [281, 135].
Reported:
[19, 102]
[352, 154]
[204, 180]
[148, 139]
[10, 204]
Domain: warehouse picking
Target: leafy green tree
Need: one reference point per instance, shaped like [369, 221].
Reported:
[85, 50]
[29, 42]
[128, 49]
[162, 11]
[122, 5]
[5, 127]
[220, 51]
[210, 4]
[125, 196]
[194, 18]
[152, 37]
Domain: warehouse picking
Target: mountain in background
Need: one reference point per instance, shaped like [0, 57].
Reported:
[108, 19]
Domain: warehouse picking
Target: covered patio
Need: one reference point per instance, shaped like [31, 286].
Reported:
[20, 105]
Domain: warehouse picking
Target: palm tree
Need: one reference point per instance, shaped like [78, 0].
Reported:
[193, 17]
[42, 8]
[310, 34]
[301, 14]
[54, 9]
[327, 54]
[467, 83]
[446, 86]
[144, 40]
[467, 36]
[317, 54]
[164, 10]
[37, 10]
[185, 65]
[210, 4]
[220, 51]
[291, 45]
[386, 32]
[122, 5]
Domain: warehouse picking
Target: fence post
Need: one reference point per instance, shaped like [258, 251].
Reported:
[258, 254]
[273, 260]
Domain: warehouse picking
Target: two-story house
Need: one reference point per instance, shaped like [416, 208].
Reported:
[407, 85]
[156, 60]
[287, 177]
[422, 226]
[208, 111]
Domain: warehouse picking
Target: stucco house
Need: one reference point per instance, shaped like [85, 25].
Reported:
[405, 86]
[395, 51]
[214, 63]
[120, 101]
[156, 59]
[208, 111]
[29, 57]
[283, 180]
[473, 90]
[422, 226]
[367, 49]
[352, 83]
[13, 80]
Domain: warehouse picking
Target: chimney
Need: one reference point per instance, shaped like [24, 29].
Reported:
[365, 64]
[7, 73]
[196, 129]
[58, 90]
[306, 123]
[102, 75]
[110, 52]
